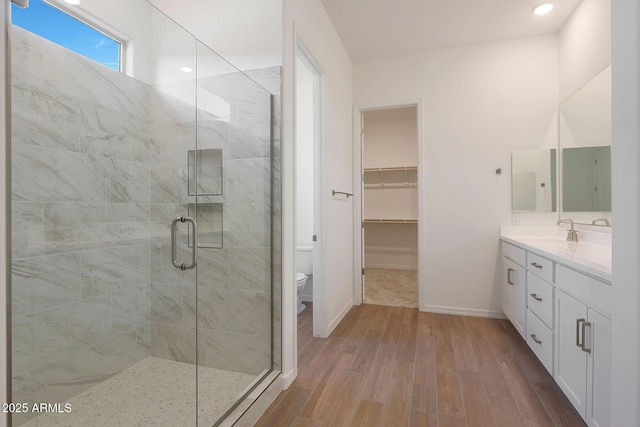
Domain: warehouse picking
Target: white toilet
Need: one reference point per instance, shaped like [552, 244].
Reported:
[304, 261]
[301, 280]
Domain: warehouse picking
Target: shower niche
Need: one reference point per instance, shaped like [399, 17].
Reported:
[204, 168]
[210, 224]
[205, 172]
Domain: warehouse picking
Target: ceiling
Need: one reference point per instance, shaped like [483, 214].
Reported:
[380, 28]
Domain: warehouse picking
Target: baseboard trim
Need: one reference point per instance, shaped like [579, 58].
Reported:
[463, 311]
[339, 318]
[287, 379]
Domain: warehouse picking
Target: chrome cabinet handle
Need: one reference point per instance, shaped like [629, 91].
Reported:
[578, 322]
[584, 327]
[535, 338]
[194, 249]
[536, 265]
[509, 271]
[536, 297]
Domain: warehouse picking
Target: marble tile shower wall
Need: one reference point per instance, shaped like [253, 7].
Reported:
[234, 283]
[80, 193]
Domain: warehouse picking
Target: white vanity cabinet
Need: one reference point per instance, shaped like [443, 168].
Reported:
[583, 345]
[514, 286]
[567, 310]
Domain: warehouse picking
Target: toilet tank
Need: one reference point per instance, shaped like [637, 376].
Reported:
[304, 257]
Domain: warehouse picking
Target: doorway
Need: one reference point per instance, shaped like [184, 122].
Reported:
[309, 125]
[390, 206]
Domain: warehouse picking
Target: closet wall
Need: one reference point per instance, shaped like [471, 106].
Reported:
[390, 157]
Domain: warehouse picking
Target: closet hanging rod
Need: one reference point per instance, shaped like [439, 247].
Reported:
[397, 169]
[334, 192]
[390, 221]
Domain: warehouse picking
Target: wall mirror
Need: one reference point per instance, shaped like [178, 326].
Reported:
[533, 181]
[586, 179]
[585, 141]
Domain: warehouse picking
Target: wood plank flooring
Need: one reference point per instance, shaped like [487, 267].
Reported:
[393, 366]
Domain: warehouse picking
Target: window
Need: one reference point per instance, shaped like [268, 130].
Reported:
[58, 26]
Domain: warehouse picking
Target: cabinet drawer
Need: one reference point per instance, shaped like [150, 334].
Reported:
[514, 253]
[540, 298]
[540, 340]
[594, 292]
[540, 266]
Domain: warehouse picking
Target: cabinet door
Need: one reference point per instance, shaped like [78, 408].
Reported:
[520, 300]
[571, 360]
[508, 274]
[514, 300]
[599, 378]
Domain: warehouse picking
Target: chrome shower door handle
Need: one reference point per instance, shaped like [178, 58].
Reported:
[194, 249]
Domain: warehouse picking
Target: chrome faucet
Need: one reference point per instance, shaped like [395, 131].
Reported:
[572, 235]
[606, 221]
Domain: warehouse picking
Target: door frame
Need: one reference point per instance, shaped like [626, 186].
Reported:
[320, 326]
[358, 278]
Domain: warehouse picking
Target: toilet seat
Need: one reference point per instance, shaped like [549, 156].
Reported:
[300, 277]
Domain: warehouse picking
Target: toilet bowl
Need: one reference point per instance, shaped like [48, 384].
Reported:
[301, 280]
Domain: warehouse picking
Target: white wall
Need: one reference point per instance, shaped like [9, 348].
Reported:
[481, 102]
[304, 156]
[314, 27]
[626, 212]
[248, 33]
[585, 45]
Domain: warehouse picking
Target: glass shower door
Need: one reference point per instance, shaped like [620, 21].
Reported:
[233, 187]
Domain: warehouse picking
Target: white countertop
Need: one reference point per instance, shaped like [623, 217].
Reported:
[591, 254]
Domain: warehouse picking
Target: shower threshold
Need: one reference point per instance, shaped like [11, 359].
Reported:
[152, 393]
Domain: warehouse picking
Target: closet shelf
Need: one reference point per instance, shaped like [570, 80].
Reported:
[390, 221]
[396, 169]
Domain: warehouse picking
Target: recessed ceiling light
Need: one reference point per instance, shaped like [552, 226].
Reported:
[73, 2]
[186, 69]
[543, 8]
